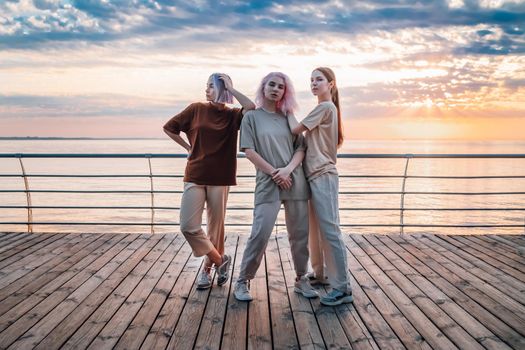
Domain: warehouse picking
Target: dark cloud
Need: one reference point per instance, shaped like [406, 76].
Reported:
[123, 19]
[515, 83]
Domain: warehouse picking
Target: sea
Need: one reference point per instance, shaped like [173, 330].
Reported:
[369, 211]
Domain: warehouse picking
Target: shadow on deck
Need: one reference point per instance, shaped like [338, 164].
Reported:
[137, 291]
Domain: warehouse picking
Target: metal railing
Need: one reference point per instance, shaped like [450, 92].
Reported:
[151, 176]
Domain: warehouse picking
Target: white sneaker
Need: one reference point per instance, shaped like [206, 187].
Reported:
[242, 291]
[303, 286]
[204, 280]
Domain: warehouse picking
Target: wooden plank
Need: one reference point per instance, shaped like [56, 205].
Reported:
[480, 291]
[259, 329]
[236, 321]
[494, 263]
[119, 322]
[432, 334]
[16, 240]
[462, 255]
[93, 311]
[138, 330]
[420, 296]
[27, 248]
[497, 250]
[453, 287]
[47, 283]
[308, 332]
[44, 252]
[46, 324]
[214, 315]
[185, 333]
[506, 242]
[47, 302]
[374, 326]
[424, 281]
[282, 322]
[8, 245]
[164, 326]
[389, 310]
[63, 253]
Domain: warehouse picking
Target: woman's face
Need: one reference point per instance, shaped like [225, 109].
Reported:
[319, 84]
[211, 92]
[274, 89]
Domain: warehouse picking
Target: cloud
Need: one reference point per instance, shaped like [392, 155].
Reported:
[31, 106]
[29, 24]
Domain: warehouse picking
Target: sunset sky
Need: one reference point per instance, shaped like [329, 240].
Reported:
[406, 70]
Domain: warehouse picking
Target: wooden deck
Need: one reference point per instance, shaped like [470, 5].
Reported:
[137, 291]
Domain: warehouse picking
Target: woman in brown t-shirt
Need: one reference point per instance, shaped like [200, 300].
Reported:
[211, 129]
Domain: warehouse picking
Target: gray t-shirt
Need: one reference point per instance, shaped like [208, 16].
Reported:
[269, 135]
[321, 140]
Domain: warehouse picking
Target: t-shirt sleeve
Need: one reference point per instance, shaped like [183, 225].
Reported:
[247, 139]
[315, 117]
[237, 115]
[182, 121]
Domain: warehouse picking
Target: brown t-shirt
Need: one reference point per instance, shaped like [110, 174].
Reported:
[212, 132]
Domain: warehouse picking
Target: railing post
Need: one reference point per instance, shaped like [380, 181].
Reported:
[28, 195]
[148, 156]
[402, 213]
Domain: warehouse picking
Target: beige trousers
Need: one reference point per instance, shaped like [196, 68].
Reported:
[191, 208]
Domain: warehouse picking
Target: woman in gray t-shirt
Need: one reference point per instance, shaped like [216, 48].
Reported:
[277, 154]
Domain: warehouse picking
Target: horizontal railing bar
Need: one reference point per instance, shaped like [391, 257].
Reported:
[253, 176]
[249, 225]
[242, 155]
[250, 192]
[251, 208]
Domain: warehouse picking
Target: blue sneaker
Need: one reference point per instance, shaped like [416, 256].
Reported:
[336, 297]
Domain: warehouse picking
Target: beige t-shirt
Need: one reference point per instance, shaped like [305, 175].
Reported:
[270, 136]
[321, 140]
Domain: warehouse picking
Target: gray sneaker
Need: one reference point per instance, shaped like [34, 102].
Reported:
[223, 271]
[336, 297]
[242, 291]
[204, 280]
[303, 286]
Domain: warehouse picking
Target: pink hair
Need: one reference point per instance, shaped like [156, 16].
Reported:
[287, 104]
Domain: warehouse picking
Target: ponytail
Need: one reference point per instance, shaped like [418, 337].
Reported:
[330, 76]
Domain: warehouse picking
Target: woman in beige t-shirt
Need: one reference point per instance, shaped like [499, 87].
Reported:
[323, 136]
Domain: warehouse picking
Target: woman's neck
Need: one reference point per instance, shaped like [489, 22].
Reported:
[324, 98]
[269, 106]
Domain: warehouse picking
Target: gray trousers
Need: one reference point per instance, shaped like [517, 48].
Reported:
[264, 217]
[325, 201]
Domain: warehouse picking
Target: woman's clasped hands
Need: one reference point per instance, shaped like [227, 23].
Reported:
[282, 178]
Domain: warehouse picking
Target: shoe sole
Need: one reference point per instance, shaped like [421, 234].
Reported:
[202, 287]
[343, 300]
[242, 299]
[308, 296]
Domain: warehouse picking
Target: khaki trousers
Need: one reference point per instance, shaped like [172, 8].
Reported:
[191, 208]
[264, 217]
[325, 202]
